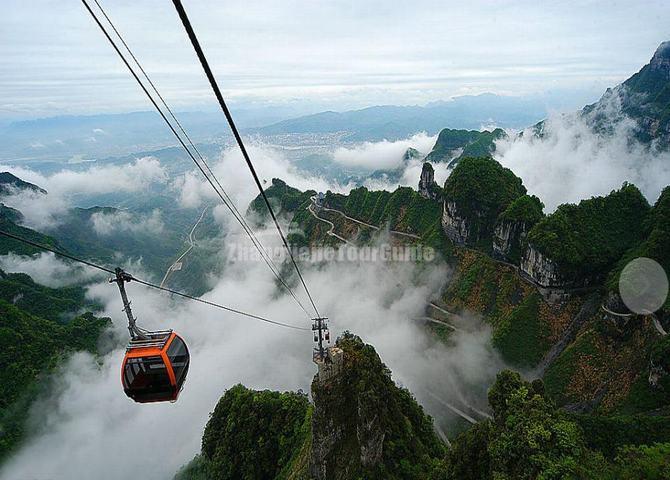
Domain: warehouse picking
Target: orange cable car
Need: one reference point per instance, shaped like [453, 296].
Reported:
[154, 368]
[156, 363]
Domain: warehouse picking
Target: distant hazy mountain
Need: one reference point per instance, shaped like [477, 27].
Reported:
[77, 137]
[9, 182]
[394, 122]
[452, 145]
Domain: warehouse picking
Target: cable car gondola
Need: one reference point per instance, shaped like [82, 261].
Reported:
[155, 367]
[156, 363]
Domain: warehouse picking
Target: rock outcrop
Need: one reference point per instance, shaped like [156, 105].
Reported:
[513, 226]
[10, 183]
[475, 194]
[656, 375]
[641, 98]
[363, 425]
[659, 365]
[428, 188]
[660, 62]
[507, 237]
[540, 268]
[410, 153]
[455, 226]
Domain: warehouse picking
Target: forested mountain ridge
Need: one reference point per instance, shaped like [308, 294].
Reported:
[484, 224]
[9, 182]
[35, 336]
[361, 425]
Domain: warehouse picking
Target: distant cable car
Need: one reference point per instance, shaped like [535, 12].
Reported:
[156, 363]
[154, 368]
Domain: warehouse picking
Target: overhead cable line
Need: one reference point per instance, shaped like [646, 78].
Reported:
[144, 282]
[217, 92]
[225, 199]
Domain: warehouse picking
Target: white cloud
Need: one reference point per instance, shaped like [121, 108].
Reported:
[383, 155]
[121, 221]
[571, 162]
[87, 424]
[42, 211]
[47, 269]
[231, 171]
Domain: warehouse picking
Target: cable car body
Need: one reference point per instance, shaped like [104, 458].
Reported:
[154, 368]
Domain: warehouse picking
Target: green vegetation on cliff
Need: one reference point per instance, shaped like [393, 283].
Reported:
[472, 142]
[655, 244]
[403, 210]
[9, 222]
[252, 435]
[361, 426]
[482, 189]
[585, 240]
[283, 198]
[644, 97]
[30, 347]
[530, 439]
[364, 426]
[49, 303]
[526, 209]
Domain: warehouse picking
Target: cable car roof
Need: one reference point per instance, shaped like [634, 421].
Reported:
[154, 340]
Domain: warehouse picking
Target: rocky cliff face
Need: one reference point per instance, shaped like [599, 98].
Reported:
[455, 226]
[428, 188]
[541, 268]
[507, 237]
[659, 365]
[642, 98]
[660, 62]
[363, 425]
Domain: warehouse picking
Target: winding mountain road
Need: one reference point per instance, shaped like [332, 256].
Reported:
[360, 222]
[176, 265]
[330, 231]
[457, 410]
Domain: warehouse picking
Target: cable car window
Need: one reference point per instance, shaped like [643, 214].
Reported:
[148, 374]
[178, 355]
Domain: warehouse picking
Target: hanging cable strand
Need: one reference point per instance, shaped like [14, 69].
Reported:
[146, 283]
[217, 92]
[225, 199]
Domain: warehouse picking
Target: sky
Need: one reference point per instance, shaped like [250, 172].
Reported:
[337, 55]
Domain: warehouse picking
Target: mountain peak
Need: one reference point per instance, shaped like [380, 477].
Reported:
[661, 58]
[9, 182]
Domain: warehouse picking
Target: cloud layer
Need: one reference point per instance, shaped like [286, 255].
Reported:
[88, 425]
[383, 155]
[42, 211]
[571, 162]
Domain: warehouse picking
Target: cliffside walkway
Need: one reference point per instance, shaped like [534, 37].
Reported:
[438, 322]
[176, 265]
[654, 319]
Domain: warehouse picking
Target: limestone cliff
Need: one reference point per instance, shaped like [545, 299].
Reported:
[428, 188]
[513, 226]
[456, 226]
[541, 268]
[364, 426]
[475, 194]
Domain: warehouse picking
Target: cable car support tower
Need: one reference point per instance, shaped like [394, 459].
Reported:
[321, 334]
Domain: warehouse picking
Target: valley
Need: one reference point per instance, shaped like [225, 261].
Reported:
[481, 329]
